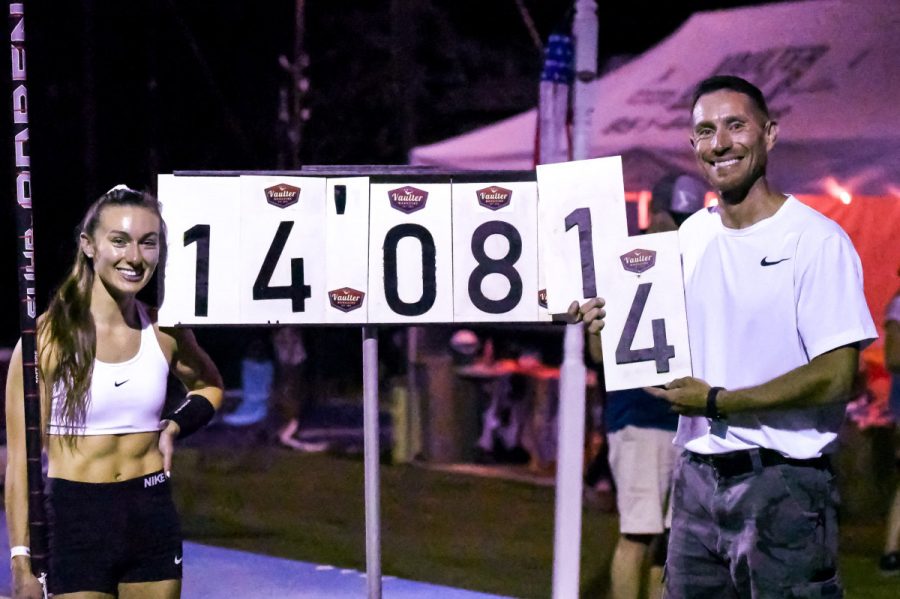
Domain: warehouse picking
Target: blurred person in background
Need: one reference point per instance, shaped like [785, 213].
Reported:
[291, 390]
[890, 561]
[257, 374]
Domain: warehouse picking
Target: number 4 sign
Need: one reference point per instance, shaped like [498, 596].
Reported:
[645, 339]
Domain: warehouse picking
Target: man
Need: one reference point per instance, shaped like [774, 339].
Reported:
[640, 429]
[776, 317]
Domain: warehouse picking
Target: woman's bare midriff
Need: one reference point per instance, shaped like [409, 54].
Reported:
[104, 458]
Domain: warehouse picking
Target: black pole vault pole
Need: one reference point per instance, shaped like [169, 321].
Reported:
[37, 521]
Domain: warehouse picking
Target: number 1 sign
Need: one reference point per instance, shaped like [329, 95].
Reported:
[203, 225]
[581, 205]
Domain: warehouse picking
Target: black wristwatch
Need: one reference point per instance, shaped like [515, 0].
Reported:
[712, 410]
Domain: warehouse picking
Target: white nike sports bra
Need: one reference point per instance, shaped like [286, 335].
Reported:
[125, 397]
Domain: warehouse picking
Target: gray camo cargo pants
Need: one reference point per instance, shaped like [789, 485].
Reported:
[766, 534]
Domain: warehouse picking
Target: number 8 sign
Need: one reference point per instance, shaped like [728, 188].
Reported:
[495, 262]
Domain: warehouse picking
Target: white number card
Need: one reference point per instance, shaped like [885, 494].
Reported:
[281, 272]
[203, 232]
[645, 338]
[495, 252]
[410, 253]
[347, 250]
[581, 205]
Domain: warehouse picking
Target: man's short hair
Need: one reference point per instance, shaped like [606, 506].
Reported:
[742, 86]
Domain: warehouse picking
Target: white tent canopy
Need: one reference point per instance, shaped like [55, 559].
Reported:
[828, 68]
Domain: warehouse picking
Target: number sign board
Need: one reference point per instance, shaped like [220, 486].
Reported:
[281, 249]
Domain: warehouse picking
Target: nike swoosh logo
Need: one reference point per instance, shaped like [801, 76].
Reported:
[764, 262]
[118, 384]
[178, 560]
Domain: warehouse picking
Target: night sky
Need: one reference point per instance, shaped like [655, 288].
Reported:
[121, 91]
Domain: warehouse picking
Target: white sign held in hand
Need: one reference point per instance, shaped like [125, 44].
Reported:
[581, 206]
[645, 338]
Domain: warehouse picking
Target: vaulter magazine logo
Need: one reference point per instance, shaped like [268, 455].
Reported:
[494, 197]
[408, 198]
[638, 261]
[282, 195]
[346, 299]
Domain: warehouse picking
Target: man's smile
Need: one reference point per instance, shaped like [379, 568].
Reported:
[724, 163]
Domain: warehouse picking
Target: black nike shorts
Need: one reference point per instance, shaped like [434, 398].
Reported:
[102, 534]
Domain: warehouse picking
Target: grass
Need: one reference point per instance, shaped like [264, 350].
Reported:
[482, 534]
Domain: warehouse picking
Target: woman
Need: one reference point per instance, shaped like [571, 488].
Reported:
[104, 364]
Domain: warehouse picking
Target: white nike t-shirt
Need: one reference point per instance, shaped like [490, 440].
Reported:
[762, 301]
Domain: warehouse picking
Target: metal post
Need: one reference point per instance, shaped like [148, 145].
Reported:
[413, 430]
[570, 447]
[372, 452]
[569, 466]
[585, 30]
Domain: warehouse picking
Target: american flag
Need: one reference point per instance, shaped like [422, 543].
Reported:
[554, 113]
